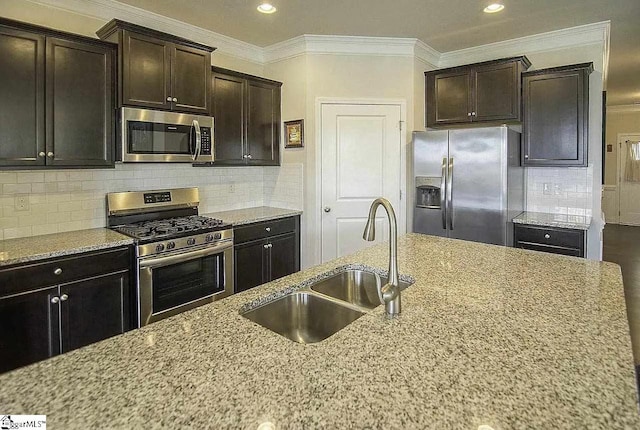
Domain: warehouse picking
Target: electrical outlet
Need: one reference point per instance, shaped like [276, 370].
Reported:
[22, 202]
[546, 189]
[232, 188]
[557, 189]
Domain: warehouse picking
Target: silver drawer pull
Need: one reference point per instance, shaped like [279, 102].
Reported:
[63, 297]
[55, 300]
[266, 246]
[547, 236]
[268, 229]
[58, 271]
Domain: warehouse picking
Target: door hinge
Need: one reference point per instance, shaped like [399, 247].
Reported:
[400, 124]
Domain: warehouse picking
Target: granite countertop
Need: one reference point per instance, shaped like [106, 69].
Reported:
[577, 222]
[256, 214]
[25, 249]
[488, 335]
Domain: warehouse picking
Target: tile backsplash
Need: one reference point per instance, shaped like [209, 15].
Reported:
[561, 190]
[42, 202]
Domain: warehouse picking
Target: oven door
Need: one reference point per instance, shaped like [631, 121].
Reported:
[170, 284]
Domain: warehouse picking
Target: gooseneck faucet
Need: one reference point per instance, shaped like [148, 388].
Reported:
[390, 293]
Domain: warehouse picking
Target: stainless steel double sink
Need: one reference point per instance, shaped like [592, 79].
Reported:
[314, 313]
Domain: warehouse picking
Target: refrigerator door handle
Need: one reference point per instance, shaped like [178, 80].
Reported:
[450, 193]
[443, 190]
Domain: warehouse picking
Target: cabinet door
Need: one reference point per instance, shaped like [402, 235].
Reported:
[22, 133]
[29, 328]
[283, 256]
[146, 71]
[190, 76]
[79, 104]
[263, 123]
[448, 97]
[497, 91]
[228, 109]
[250, 265]
[94, 309]
[555, 125]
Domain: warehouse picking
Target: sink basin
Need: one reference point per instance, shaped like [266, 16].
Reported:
[357, 287]
[303, 317]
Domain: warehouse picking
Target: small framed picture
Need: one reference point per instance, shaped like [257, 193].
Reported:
[294, 133]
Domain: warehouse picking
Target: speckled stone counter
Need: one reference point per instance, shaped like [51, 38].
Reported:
[256, 214]
[577, 222]
[14, 251]
[489, 335]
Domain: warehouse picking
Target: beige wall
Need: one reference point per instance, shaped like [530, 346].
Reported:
[618, 122]
[309, 77]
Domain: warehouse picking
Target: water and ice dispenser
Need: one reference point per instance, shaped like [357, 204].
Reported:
[428, 192]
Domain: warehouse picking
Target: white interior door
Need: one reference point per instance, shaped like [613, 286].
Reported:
[629, 190]
[361, 156]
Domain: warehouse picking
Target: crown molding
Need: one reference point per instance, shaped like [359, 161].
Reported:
[583, 35]
[623, 108]
[350, 45]
[108, 9]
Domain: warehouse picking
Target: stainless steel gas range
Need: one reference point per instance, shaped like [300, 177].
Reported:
[183, 260]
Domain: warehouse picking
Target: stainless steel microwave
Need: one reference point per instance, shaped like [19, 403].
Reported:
[151, 136]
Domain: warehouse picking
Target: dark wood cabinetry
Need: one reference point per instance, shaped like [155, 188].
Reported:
[58, 92]
[246, 110]
[555, 240]
[266, 251]
[556, 116]
[483, 92]
[59, 305]
[160, 71]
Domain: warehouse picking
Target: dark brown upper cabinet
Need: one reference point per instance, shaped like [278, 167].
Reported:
[160, 71]
[556, 116]
[59, 98]
[246, 111]
[476, 93]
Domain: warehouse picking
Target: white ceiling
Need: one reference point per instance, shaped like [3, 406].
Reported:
[445, 25]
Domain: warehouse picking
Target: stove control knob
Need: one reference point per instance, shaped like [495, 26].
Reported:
[218, 236]
[171, 245]
[209, 237]
[191, 241]
[160, 248]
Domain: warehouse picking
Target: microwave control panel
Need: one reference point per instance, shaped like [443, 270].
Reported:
[205, 140]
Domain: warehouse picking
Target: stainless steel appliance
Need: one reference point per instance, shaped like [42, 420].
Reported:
[183, 260]
[157, 136]
[469, 183]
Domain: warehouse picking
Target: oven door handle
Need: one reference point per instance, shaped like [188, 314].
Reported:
[185, 256]
[196, 153]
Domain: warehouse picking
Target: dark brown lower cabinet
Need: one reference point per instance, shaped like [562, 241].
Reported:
[38, 322]
[261, 256]
[555, 240]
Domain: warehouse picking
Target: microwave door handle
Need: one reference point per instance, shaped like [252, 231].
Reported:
[196, 125]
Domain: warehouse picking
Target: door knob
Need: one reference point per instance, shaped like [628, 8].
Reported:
[327, 209]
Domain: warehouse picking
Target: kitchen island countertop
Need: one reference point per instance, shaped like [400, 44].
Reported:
[488, 335]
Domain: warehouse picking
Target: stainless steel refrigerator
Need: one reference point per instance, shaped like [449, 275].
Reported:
[469, 183]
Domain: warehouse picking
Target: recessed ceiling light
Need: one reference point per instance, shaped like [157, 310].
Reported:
[493, 8]
[266, 8]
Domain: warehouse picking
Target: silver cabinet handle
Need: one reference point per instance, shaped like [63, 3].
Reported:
[41, 154]
[547, 236]
[50, 154]
[268, 229]
[249, 156]
[271, 245]
[443, 191]
[266, 246]
[469, 114]
[63, 297]
[473, 114]
[450, 193]
[55, 300]
[58, 271]
[175, 99]
[168, 99]
[327, 209]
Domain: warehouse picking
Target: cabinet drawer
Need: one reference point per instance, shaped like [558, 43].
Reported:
[575, 252]
[550, 236]
[264, 229]
[23, 278]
